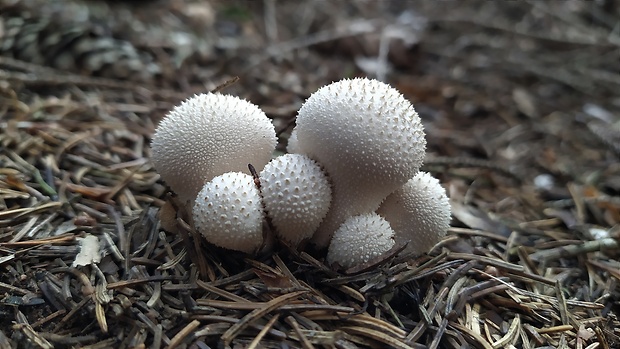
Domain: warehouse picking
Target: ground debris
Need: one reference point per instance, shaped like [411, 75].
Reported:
[522, 129]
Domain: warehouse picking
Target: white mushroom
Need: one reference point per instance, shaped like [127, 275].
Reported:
[419, 213]
[360, 239]
[296, 195]
[228, 212]
[208, 135]
[369, 139]
[293, 146]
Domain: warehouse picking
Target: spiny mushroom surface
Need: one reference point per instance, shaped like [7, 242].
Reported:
[419, 213]
[360, 239]
[208, 135]
[369, 139]
[228, 212]
[296, 195]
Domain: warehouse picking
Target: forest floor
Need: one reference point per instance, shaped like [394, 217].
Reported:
[521, 110]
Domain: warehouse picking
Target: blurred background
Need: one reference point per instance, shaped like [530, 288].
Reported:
[474, 69]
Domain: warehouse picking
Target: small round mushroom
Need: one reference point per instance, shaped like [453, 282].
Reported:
[208, 135]
[419, 213]
[369, 139]
[296, 195]
[360, 239]
[228, 212]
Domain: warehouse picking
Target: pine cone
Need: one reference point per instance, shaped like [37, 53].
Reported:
[75, 47]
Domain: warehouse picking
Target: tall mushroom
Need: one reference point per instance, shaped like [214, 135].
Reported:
[419, 213]
[208, 135]
[369, 139]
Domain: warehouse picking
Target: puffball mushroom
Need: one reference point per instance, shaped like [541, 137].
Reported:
[292, 146]
[369, 139]
[228, 212]
[360, 239]
[296, 195]
[208, 135]
[419, 213]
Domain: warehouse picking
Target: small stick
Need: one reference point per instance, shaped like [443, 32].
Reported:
[470, 162]
[225, 84]
[254, 175]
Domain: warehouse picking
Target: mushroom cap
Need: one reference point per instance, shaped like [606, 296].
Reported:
[228, 212]
[360, 239]
[368, 137]
[207, 135]
[296, 195]
[419, 213]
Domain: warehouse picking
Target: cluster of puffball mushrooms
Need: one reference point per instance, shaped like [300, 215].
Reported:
[350, 181]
